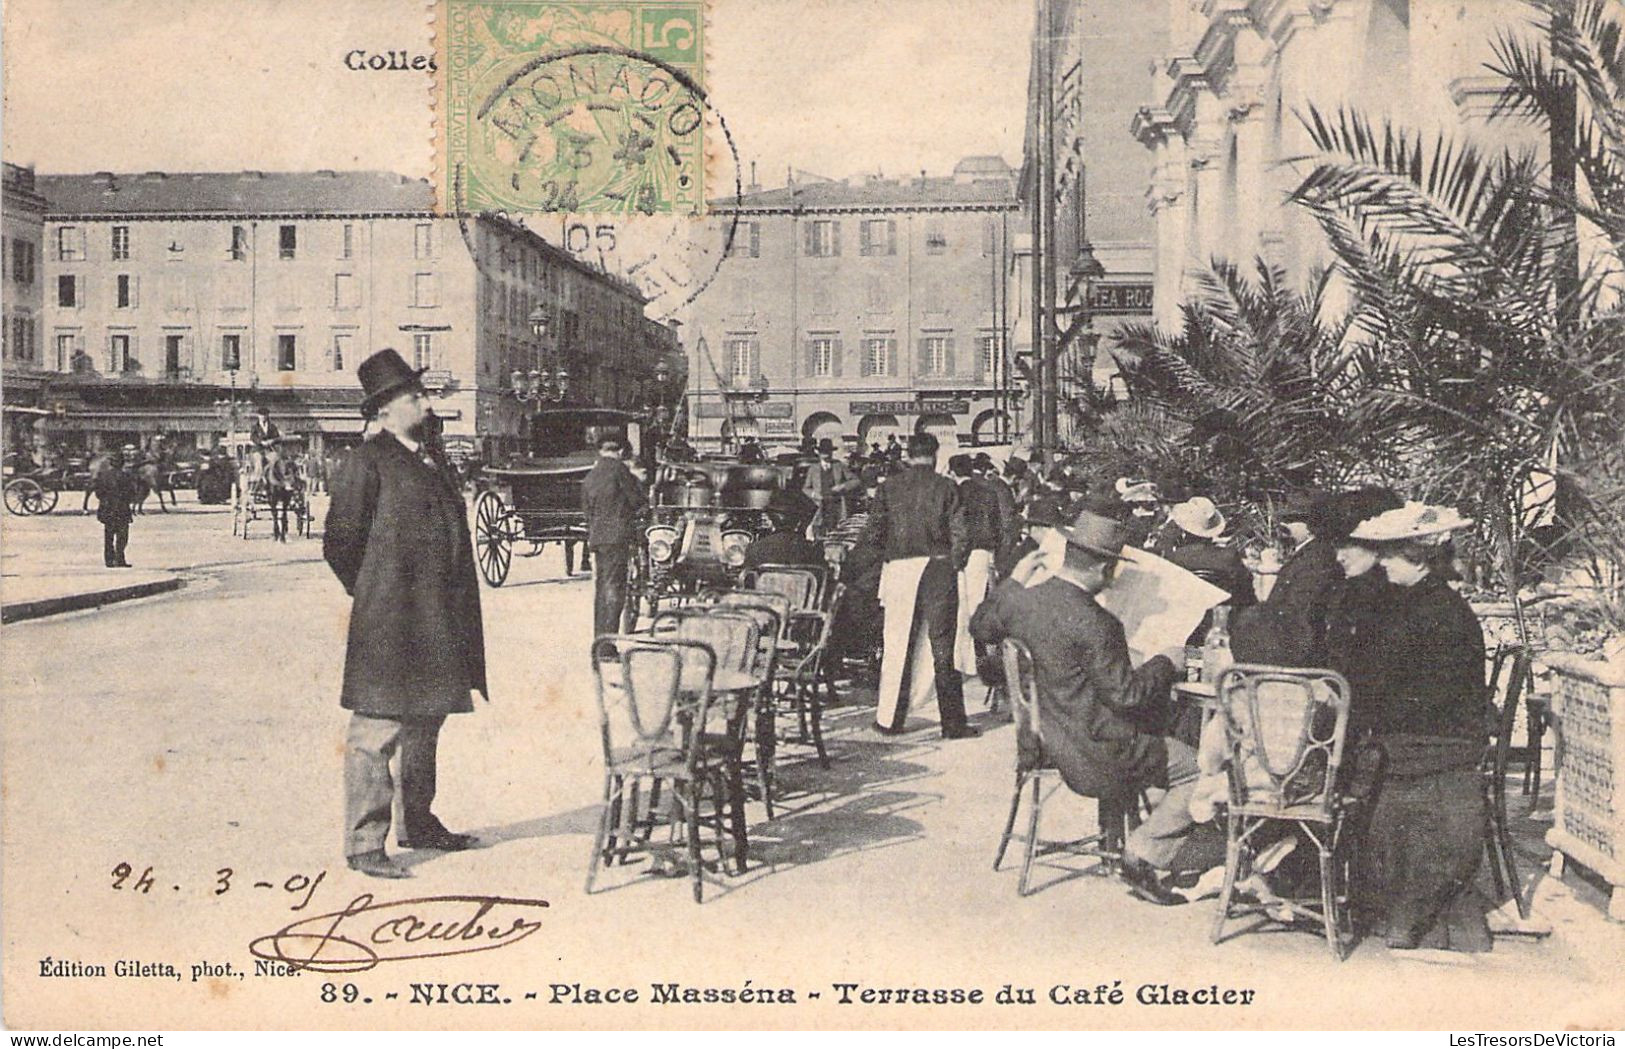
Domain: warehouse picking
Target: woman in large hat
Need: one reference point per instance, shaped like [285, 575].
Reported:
[1422, 847]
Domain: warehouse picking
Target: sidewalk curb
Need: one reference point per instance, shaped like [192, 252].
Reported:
[50, 606]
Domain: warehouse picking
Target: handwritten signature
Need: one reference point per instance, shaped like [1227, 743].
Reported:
[367, 932]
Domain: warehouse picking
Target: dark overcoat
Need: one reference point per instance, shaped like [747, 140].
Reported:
[1088, 690]
[115, 490]
[1288, 628]
[397, 538]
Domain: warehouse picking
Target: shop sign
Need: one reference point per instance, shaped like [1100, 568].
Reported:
[908, 407]
[1120, 298]
[777, 426]
[744, 410]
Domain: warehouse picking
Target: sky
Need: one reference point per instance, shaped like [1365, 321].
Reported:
[836, 87]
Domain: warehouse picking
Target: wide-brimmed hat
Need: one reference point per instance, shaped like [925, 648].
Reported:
[1136, 491]
[384, 376]
[1420, 522]
[1199, 517]
[1099, 535]
[960, 465]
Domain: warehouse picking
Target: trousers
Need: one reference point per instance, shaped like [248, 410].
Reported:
[369, 789]
[609, 587]
[936, 611]
[1157, 840]
[115, 537]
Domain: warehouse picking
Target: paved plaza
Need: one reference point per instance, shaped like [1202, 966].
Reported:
[200, 730]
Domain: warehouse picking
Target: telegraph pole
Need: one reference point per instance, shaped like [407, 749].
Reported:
[1043, 187]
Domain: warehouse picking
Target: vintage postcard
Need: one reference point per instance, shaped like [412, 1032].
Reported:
[585, 514]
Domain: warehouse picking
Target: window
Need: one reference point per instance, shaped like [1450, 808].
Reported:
[344, 292]
[22, 338]
[67, 291]
[341, 350]
[936, 241]
[936, 356]
[124, 291]
[347, 245]
[422, 350]
[121, 356]
[878, 237]
[742, 359]
[992, 365]
[65, 346]
[877, 356]
[821, 357]
[121, 243]
[823, 238]
[22, 261]
[231, 352]
[425, 289]
[422, 241]
[70, 244]
[239, 243]
[287, 240]
[287, 352]
[172, 355]
[747, 241]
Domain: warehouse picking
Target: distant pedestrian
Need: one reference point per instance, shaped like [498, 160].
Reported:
[613, 501]
[115, 498]
[397, 538]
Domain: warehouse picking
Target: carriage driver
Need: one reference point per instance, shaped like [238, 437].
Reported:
[397, 538]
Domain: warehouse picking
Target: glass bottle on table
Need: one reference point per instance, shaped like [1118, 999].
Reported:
[1216, 657]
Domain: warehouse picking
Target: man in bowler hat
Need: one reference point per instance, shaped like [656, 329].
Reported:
[397, 538]
[115, 492]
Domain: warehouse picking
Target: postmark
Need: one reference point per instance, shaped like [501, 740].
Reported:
[571, 106]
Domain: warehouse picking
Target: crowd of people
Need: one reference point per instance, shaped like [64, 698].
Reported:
[949, 564]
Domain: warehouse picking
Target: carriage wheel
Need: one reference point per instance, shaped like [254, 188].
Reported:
[48, 498]
[23, 496]
[493, 544]
[636, 577]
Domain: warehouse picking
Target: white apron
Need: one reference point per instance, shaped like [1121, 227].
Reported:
[973, 580]
[902, 645]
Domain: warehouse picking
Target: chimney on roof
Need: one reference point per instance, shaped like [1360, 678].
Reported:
[252, 175]
[105, 178]
[153, 176]
[326, 173]
[754, 186]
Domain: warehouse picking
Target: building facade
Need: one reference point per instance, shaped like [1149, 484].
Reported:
[172, 301]
[1225, 113]
[1091, 68]
[22, 222]
[856, 309]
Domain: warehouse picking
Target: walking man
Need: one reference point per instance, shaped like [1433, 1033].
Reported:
[397, 538]
[918, 523]
[827, 484]
[613, 501]
[115, 496]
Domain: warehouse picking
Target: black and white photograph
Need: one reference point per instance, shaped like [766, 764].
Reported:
[745, 515]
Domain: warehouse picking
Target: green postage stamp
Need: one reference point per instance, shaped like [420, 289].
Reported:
[571, 106]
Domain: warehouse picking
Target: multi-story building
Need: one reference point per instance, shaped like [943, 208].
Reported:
[173, 300]
[21, 229]
[1238, 77]
[856, 309]
[1090, 71]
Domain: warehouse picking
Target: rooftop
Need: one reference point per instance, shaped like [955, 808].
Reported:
[235, 193]
[976, 181]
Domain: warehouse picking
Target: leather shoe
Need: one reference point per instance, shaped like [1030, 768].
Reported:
[445, 841]
[885, 730]
[1143, 883]
[377, 864]
[961, 732]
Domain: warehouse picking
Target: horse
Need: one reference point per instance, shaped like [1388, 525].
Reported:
[154, 475]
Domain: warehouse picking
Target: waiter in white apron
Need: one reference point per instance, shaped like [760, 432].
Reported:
[916, 520]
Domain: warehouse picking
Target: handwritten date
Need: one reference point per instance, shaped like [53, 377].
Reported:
[301, 886]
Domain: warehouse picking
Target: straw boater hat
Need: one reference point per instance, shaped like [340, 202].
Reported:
[1199, 517]
[1416, 522]
[1099, 535]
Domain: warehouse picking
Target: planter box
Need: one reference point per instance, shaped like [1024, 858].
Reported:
[1588, 701]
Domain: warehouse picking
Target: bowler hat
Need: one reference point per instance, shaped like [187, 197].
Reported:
[960, 465]
[826, 446]
[1199, 517]
[1046, 513]
[1099, 535]
[384, 376]
[983, 461]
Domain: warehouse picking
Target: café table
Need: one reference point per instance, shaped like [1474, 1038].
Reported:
[1193, 702]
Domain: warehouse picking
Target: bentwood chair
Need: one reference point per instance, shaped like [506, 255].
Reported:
[1497, 759]
[771, 613]
[804, 585]
[1284, 730]
[654, 700]
[1035, 769]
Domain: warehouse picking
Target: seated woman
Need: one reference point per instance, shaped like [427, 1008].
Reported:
[1423, 842]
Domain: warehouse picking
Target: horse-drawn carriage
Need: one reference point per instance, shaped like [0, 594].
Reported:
[259, 497]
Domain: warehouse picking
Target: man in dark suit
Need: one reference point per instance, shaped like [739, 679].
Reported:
[264, 433]
[1288, 628]
[397, 538]
[613, 501]
[827, 484]
[787, 544]
[1089, 692]
[115, 492]
[917, 521]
